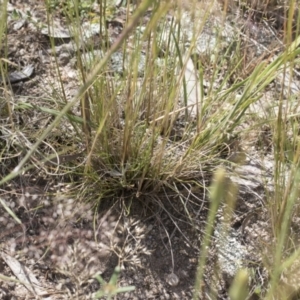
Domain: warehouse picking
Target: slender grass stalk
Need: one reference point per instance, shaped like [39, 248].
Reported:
[216, 197]
[279, 251]
[239, 287]
[4, 62]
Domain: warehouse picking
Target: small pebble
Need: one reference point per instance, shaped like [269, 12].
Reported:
[172, 279]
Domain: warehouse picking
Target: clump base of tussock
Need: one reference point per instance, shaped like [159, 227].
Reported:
[149, 172]
[150, 193]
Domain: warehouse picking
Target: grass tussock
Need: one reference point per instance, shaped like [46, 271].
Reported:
[171, 116]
